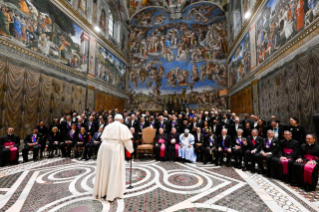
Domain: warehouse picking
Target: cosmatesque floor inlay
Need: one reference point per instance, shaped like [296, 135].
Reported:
[66, 185]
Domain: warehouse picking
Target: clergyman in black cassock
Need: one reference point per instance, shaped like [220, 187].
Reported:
[305, 168]
[9, 148]
[173, 145]
[161, 143]
[269, 149]
[287, 154]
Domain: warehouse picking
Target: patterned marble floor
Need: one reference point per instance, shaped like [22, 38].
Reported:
[66, 185]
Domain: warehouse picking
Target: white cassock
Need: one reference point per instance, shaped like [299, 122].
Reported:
[186, 152]
[110, 168]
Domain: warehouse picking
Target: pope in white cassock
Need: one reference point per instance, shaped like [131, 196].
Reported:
[186, 148]
[110, 168]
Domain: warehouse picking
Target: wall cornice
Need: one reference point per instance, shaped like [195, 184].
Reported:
[49, 66]
[86, 26]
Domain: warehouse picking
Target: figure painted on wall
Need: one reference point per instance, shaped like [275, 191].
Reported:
[299, 14]
[43, 32]
[82, 5]
[181, 50]
[102, 22]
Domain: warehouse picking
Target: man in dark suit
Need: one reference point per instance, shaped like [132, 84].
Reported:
[9, 148]
[173, 145]
[278, 129]
[142, 125]
[32, 141]
[234, 127]
[216, 128]
[74, 118]
[245, 120]
[210, 146]
[199, 144]
[93, 145]
[135, 139]
[269, 148]
[133, 123]
[239, 147]
[254, 147]
[66, 126]
[161, 123]
[91, 126]
[225, 145]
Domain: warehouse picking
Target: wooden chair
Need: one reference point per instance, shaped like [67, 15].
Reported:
[147, 142]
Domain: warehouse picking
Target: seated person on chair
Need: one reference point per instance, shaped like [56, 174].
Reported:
[305, 168]
[225, 145]
[54, 141]
[287, 154]
[199, 144]
[254, 145]
[210, 146]
[9, 148]
[239, 148]
[93, 145]
[173, 145]
[32, 141]
[70, 140]
[269, 149]
[81, 141]
[186, 146]
[161, 143]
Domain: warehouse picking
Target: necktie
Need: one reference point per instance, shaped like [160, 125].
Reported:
[253, 142]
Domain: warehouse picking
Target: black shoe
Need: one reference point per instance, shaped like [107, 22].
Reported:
[244, 169]
[261, 172]
[83, 158]
[253, 171]
[307, 189]
[86, 159]
[227, 164]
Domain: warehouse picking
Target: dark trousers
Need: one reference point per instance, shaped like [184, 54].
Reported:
[221, 156]
[277, 170]
[249, 157]
[297, 175]
[42, 148]
[171, 153]
[207, 156]
[199, 151]
[5, 156]
[238, 155]
[26, 149]
[66, 152]
[157, 151]
[90, 148]
[259, 159]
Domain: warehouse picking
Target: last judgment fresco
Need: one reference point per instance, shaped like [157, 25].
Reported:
[178, 63]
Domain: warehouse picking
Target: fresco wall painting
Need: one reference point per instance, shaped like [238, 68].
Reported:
[178, 63]
[278, 22]
[40, 26]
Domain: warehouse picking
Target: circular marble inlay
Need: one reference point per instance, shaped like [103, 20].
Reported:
[80, 209]
[82, 206]
[183, 179]
[69, 173]
[137, 175]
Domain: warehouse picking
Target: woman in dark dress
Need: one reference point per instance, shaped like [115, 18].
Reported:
[54, 141]
[298, 132]
[262, 129]
[44, 131]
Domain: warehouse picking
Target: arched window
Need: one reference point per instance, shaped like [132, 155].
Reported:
[111, 24]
